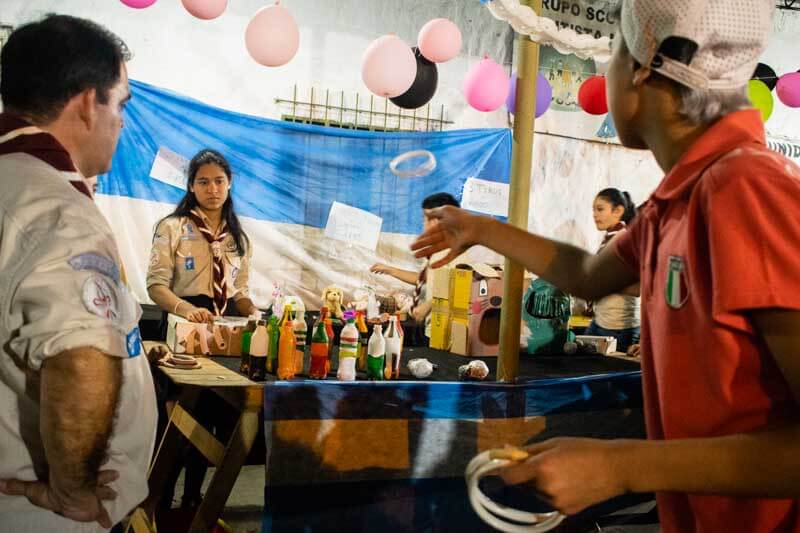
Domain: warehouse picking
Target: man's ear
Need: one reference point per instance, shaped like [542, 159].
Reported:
[85, 103]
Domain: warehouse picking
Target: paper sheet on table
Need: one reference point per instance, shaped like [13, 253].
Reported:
[488, 197]
[353, 226]
[170, 168]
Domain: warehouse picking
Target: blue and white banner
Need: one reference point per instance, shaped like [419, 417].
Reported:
[285, 178]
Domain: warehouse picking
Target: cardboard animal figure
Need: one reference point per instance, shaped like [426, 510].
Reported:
[224, 337]
[333, 299]
[466, 309]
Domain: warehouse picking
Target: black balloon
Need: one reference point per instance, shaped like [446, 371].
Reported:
[766, 74]
[424, 86]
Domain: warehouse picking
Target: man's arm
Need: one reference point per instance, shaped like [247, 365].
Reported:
[79, 393]
[406, 276]
[576, 473]
[578, 272]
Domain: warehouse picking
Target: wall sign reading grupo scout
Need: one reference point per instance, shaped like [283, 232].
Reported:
[593, 18]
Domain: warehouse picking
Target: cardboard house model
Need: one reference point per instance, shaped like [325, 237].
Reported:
[465, 317]
[224, 337]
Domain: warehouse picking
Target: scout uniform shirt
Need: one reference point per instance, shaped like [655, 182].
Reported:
[181, 259]
[717, 239]
[60, 289]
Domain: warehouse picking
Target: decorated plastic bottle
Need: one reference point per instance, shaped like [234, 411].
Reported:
[400, 331]
[244, 361]
[300, 334]
[363, 339]
[286, 357]
[288, 316]
[325, 317]
[320, 355]
[274, 331]
[348, 351]
[376, 351]
[259, 342]
[393, 349]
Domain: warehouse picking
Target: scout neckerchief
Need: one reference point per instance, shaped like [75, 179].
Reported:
[215, 242]
[19, 136]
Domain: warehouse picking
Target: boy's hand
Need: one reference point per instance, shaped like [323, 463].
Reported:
[571, 474]
[454, 229]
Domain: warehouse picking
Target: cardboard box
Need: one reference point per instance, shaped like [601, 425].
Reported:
[224, 337]
[440, 328]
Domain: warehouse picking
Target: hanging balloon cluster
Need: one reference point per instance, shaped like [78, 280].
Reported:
[272, 37]
[764, 81]
[408, 76]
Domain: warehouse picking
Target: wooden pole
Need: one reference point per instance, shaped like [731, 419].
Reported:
[518, 200]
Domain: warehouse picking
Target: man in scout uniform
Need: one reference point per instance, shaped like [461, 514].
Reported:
[75, 387]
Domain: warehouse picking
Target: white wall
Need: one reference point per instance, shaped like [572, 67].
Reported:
[207, 60]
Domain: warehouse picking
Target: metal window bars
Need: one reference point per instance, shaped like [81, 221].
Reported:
[351, 112]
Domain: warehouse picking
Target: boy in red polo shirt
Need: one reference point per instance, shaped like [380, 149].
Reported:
[715, 250]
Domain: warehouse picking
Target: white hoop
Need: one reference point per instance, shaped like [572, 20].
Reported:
[498, 516]
[423, 169]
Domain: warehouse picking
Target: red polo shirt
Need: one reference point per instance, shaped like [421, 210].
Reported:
[719, 237]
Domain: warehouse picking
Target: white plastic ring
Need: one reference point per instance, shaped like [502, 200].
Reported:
[499, 516]
[423, 169]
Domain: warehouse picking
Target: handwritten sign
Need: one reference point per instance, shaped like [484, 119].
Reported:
[484, 196]
[170, 168]
[353, 226]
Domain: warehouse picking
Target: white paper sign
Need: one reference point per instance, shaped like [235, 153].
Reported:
[170, 168]
[353, 226]
[487, 197]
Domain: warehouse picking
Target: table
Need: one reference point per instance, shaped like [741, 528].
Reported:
[246, 397]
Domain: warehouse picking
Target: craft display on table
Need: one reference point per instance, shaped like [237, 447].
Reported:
[546, 310]
[499, 516]
[376, 354]
[259, 351]
[421, 368]
[320, 352]
[348, 350]
[465, 315]
[287, 360]
[393, 345]
[333, 299]
[223, 337]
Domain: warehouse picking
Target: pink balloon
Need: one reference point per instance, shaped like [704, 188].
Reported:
[439, 40]
[272, 37]
[205, 9]
[486, 85]
[388, 67]
[138, 4]
[788, 89]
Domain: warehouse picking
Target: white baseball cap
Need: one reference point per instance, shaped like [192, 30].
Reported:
[702, 44]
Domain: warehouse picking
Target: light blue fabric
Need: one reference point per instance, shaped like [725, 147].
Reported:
[285, 172]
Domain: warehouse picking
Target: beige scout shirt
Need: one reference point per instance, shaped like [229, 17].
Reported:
[181, 259]
[59, 290]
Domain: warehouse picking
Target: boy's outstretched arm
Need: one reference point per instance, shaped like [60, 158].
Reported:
[576, 271]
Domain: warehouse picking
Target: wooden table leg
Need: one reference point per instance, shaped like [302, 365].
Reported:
[171, 446]
[244, 433]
